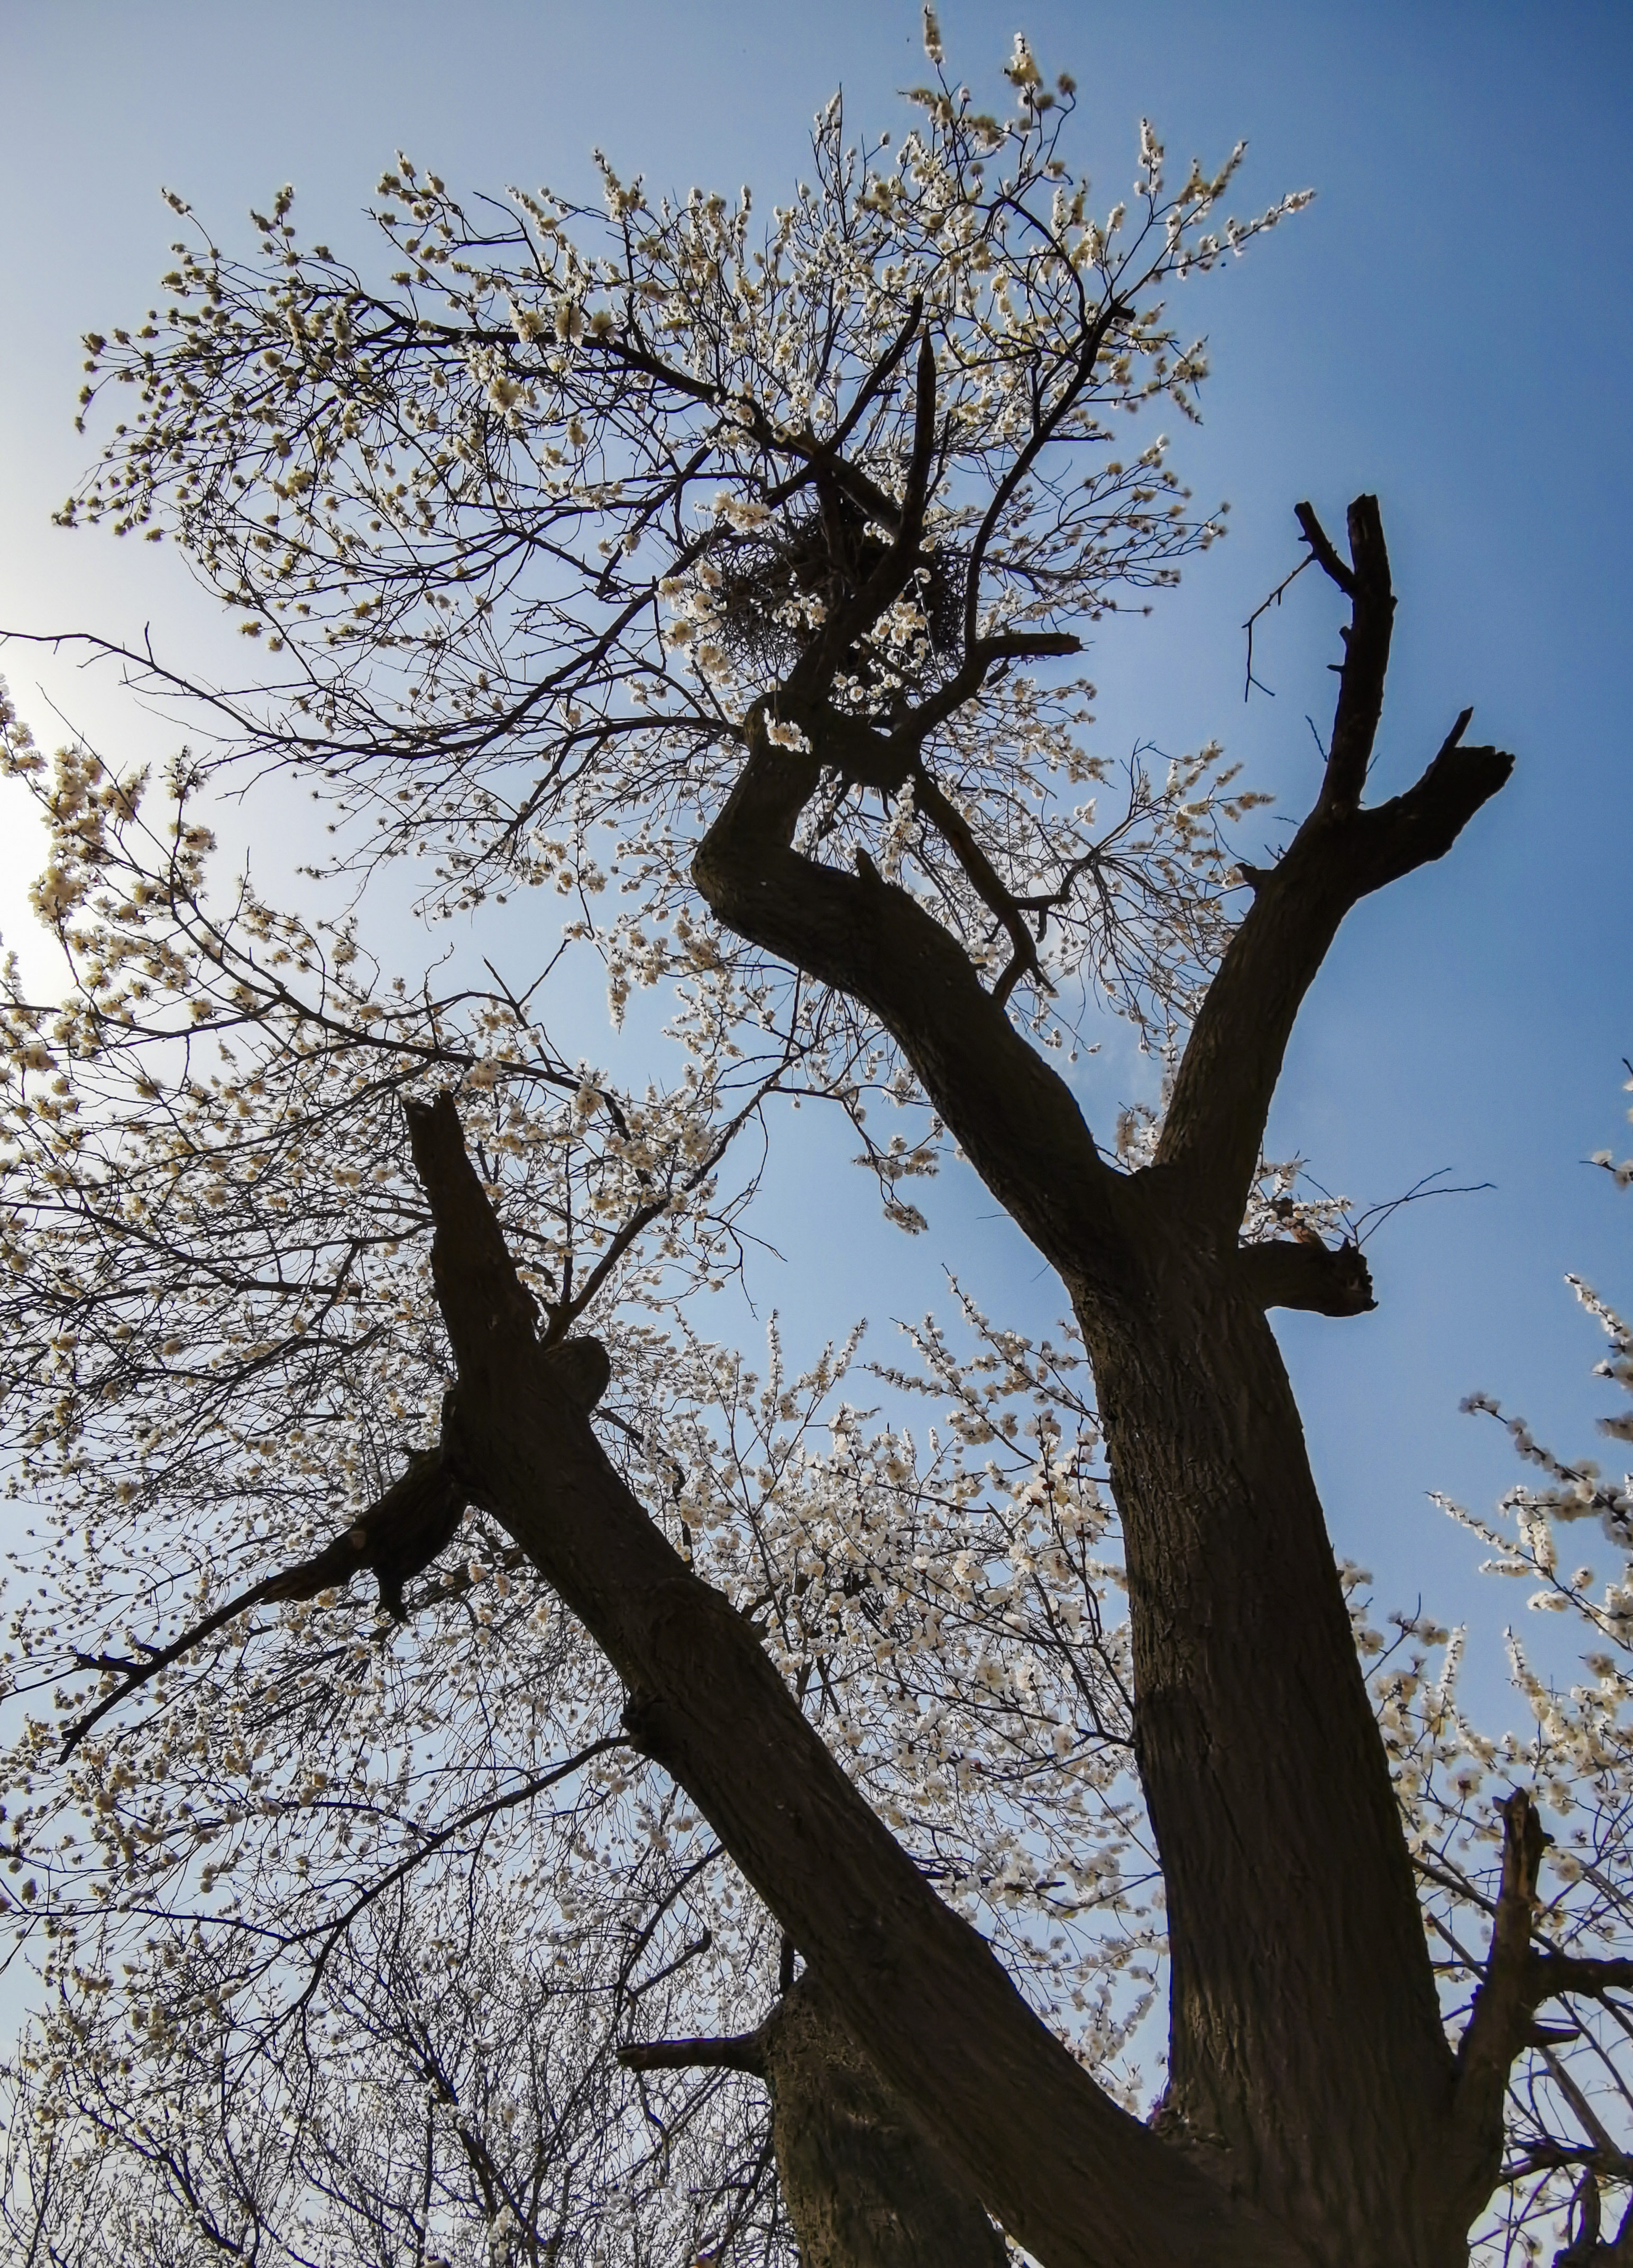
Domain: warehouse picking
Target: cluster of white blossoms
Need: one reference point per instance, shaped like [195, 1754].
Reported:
[540, 524]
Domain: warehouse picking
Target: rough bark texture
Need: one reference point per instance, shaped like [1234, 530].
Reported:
[1306, 2037]
[865, 2185]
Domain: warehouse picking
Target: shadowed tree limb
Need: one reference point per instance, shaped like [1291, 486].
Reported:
[1077, 2180]
[1322, 549]
[1366, 648]
[737, 2052]
[397, 1539]
[1553, 1975]
[1501, 2016]
[979, 661]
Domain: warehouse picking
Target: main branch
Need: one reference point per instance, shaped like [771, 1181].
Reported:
[1075, 2179]
[1016, 1119]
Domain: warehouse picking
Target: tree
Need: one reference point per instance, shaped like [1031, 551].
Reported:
[731, 576]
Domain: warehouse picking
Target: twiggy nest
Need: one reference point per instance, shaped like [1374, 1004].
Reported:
[768, 576]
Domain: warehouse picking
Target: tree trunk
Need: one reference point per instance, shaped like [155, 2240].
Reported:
[1308, 2063]
[1306, 2040]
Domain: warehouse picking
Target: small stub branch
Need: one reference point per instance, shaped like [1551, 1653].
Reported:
[1324, 1279]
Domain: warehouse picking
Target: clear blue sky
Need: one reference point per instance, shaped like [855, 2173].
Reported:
[1449, 325]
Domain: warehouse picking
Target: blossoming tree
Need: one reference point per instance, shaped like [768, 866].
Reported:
[732, 578]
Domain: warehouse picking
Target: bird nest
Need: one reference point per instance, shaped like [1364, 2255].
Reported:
[769, 576]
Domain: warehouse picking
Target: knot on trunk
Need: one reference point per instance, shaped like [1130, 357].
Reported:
[865, 2186]
[582, 1368]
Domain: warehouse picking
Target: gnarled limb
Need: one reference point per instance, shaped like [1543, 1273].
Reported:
[1553, 1975]
[1075, 2179]
[730, 2051]
[1015, 1117]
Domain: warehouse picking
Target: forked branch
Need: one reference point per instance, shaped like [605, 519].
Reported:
[1227, 1075]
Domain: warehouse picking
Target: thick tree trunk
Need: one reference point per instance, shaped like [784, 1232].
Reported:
[1305, 2038]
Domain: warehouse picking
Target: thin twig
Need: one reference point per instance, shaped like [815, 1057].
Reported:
[1274, 599]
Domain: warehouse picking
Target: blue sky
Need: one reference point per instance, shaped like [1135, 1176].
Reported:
[1450, 325]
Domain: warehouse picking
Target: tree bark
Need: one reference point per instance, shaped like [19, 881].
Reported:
[865, 2185]
[1306, 2041]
